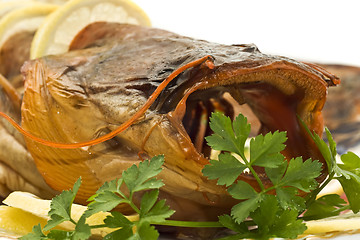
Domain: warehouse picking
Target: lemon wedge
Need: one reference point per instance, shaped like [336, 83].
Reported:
[35, 210]
[27, 18]
[55, 35]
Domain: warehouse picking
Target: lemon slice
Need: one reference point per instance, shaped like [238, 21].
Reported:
[334, 187]
[342, 224]
[55, 35]
[16, 222]
[8, 6]
[53, 1]
[27, 18]
[39, 208]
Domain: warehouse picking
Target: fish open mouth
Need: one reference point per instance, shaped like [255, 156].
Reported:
[269, 108]
[196, 119]
[266, 108]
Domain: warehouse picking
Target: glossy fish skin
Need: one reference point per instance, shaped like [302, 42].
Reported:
[86, 93]
[17, 168]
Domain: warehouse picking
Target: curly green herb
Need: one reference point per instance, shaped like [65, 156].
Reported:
[259, 214]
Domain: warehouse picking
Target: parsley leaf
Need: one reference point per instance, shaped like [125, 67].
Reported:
[152, 210]
[60, 207]
[59, 235]
[327, 151]
[265, 150]
[118, 220]
[273, 221]
[111, 186]
[141, 178]
[125, 233]
[286, 224]
[351, 163]
[350, 179]
[36, 234]
[352, 191]
[135, 178]
[227, 169]
[82, 230]
[243, 209]
[104, 201]
[228, 136]
[289, 199]
[146, 231]
[228, 222]
[299, 175]
[241, 229]
[350, 169]
[268, 221]
[325, 206]
[243, 191]
[348, 173]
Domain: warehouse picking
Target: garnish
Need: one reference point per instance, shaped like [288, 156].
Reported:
[288, 178]
[267, 211]
[345, 169]
[136, 178]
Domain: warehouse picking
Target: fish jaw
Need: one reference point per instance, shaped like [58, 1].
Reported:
[46, 114]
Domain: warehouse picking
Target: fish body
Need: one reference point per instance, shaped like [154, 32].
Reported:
[106, 78]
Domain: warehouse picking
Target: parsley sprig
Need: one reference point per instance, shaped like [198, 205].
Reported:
[345, 169]
[287, 178]
[259, 213]
[108, 197]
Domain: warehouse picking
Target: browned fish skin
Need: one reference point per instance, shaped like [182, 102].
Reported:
[13, 53]
[17, 168]
[86, 93]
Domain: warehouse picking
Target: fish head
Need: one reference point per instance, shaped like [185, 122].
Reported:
[87, 93]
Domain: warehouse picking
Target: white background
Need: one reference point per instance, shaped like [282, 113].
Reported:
[310, 30]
